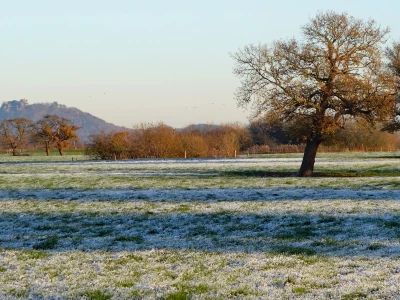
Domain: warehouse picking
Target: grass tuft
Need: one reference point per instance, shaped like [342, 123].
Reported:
[355, 295]
[293, 250]
[48, 243]
[97, 295]
[130, 238]
[178, 295]
[300, 290]
[33, 254]
[375, 246]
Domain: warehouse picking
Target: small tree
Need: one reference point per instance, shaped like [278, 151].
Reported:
[15, 132]
[194, 145]
[54, 129]
[336, 71]
[157, 141]
[65, 134]
[114, 145]
[98, 146]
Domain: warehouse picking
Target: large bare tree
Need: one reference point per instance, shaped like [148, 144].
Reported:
[334, 71]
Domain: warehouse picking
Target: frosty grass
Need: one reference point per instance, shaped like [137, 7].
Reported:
[200, 229]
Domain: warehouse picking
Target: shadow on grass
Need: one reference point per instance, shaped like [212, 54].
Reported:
[394, 156]
[258, 173]
[347, 236]
[200, 195]
[329, 173]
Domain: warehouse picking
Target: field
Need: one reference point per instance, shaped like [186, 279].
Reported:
[242, 228]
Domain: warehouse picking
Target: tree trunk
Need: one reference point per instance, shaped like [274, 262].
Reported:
[307, 165]
[47, 149]
[14, 151]
[60, 150]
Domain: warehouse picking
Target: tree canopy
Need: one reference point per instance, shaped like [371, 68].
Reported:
[54, 129]
[335, 71]
[393, 56]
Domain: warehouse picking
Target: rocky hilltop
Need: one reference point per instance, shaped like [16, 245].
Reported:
[89, 124]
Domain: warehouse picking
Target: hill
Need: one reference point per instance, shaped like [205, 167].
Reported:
[200, 128]
[89, 124]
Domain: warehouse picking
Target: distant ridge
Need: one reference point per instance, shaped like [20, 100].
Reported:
[200, 128]
[89, 124]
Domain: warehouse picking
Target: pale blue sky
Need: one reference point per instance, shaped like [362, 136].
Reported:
[147, 61]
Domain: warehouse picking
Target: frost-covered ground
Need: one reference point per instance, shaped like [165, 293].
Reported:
[202, 229]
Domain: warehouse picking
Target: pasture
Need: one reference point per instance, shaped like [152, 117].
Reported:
[200, 229]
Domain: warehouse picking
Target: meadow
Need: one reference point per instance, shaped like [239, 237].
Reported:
[244, 228]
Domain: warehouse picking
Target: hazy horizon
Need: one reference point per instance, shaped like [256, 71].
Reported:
[129, 62]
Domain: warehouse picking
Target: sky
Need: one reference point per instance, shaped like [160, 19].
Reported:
[132, 62]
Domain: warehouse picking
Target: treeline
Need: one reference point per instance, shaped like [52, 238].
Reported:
[49, 131]
[286, 137]
[162, 141]
[195, 141]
